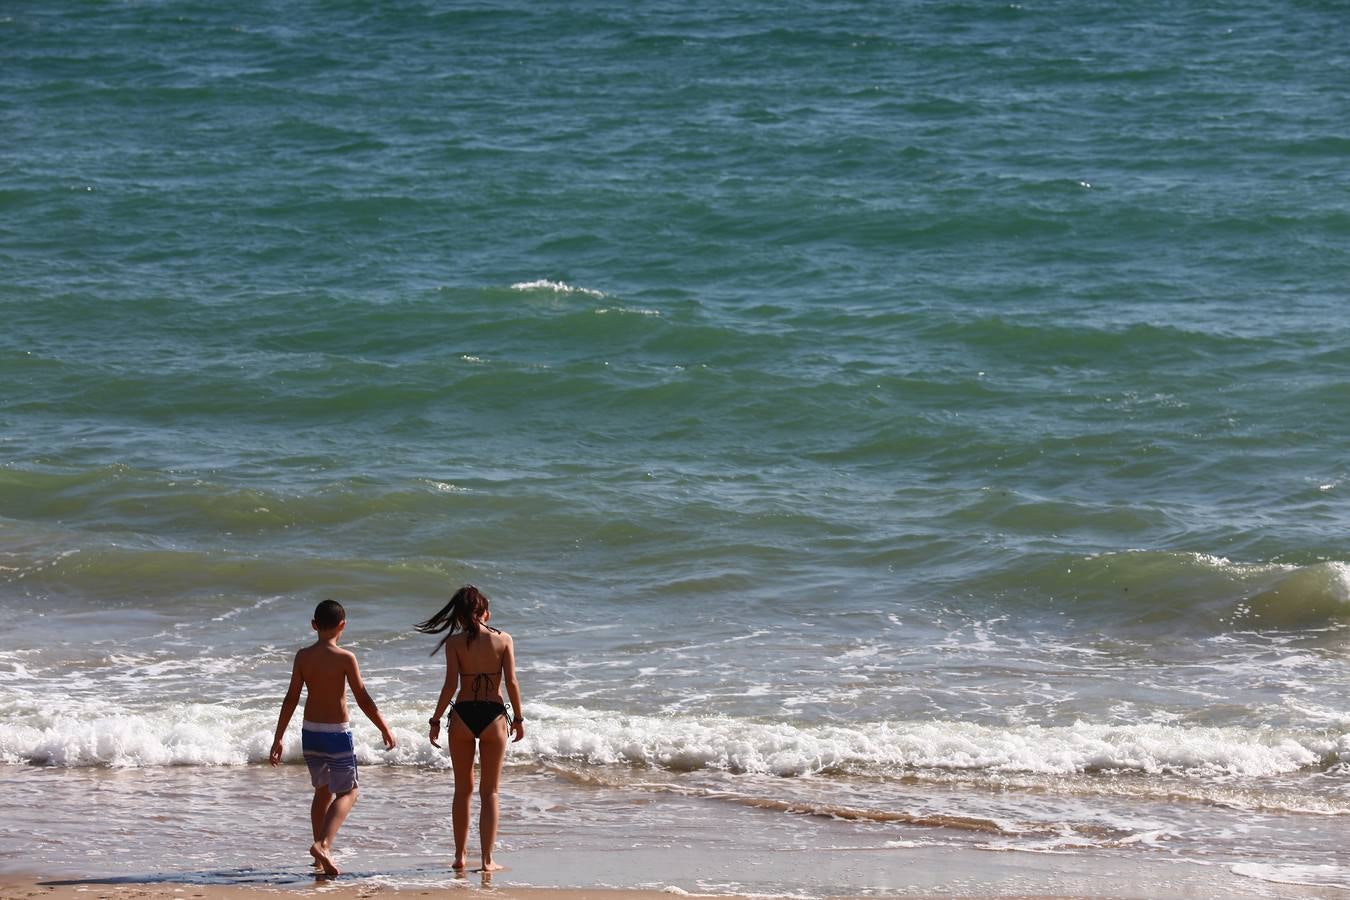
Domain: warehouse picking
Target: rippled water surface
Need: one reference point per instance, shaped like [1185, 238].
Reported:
[928, 415]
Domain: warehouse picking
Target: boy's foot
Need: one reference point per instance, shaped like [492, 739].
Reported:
[489, 866]
[321, 857]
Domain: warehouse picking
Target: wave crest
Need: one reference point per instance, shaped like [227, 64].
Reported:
[557, 287]
[202, 734]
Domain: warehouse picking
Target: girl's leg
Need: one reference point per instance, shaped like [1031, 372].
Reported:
[492, 754]
[461, 758]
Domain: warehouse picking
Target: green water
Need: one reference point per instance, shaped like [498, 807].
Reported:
[992, 355]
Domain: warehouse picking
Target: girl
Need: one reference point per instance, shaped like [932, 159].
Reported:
[478, 659]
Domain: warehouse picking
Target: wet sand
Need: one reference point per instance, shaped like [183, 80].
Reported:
[241, 832]
[920, 872]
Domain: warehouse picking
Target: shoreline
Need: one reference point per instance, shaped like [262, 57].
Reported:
[833, 874]
[31, 888]
[562, 841]
[28, 887]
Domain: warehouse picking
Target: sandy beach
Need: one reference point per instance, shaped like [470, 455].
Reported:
[668, 845]
[27, 888]
[836, 874]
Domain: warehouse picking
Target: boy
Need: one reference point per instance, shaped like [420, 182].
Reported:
[326, 734]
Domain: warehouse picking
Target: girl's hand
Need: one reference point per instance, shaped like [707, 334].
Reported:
[518, 727]
[435, 731]
[275, 756]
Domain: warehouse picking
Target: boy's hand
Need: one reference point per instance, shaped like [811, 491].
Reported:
[275, 756]
[389, 742]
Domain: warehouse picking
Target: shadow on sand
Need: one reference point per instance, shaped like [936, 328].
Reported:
[249, 876]
[214, 877]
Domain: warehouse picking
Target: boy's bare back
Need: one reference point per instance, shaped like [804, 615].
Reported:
[326, 670]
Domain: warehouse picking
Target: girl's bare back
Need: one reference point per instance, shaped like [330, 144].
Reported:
[480, 663]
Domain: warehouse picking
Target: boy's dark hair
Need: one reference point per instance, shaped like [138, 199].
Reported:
[329, 614]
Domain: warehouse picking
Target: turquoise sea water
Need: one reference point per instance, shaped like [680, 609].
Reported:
[939, 404]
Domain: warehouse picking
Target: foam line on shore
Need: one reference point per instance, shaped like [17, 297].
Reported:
[51, 732]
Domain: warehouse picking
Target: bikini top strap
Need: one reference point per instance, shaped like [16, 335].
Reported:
[482, 681]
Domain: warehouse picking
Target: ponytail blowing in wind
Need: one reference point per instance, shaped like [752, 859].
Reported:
[464, 612]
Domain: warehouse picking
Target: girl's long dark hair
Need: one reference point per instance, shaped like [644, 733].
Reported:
[463, 613]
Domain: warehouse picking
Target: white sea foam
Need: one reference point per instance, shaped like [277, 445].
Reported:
[185, 734]
[557, 287]
[1323, 875]
[626, 311]
[445, 487]
[1340, 574]
[785, 749]
[69, 734]
[247, 608]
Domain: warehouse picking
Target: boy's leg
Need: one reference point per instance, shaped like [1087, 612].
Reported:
[318, 809]
[462, 745]
[491, 756]
[337, 813]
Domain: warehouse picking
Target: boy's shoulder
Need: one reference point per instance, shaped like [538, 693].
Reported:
[323, 650]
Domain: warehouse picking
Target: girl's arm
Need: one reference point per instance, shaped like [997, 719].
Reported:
[513, 687]
[448, 689]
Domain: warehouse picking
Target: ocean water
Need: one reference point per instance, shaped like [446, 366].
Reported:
[900, 424]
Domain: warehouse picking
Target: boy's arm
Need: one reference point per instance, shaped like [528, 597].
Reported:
[366, 702]
[448, 688]
[513, 688]
[288, 706]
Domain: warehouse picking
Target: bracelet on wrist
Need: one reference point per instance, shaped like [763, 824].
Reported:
[434, 720]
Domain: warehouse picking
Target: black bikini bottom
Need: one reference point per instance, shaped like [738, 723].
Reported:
[478, 714]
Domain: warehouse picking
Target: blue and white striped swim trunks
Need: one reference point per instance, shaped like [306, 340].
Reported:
[330, 754]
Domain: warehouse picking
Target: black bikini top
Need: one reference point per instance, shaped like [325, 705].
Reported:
[482, 681]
